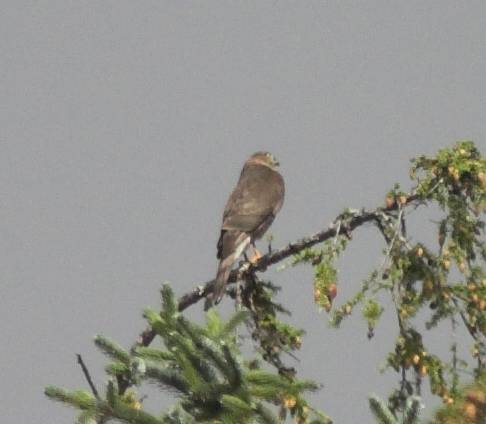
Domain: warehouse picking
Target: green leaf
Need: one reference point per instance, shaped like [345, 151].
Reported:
[372, 311]
[111, 395]
[117, 368]
[412, 410]
[380, 411]
[214, 323]
[265, 415]
[236, 320]
[236, 405]
[169, 304]
[167, 378]
[86, 417]
[112, 349]
[157, 355]
[77, 398]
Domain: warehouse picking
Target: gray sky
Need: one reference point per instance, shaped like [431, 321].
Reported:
[123, 127]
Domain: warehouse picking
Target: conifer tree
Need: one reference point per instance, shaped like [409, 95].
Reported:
[214, 382]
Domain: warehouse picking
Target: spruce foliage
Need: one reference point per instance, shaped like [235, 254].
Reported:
[203, 366]
[384, 415]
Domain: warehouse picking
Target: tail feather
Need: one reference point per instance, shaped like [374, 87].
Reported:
[222, 276]
[219, 285]
[233, 244]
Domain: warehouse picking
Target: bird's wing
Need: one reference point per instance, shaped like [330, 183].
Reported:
[257, 196]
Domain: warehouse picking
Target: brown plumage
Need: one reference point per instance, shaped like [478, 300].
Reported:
[249, 212]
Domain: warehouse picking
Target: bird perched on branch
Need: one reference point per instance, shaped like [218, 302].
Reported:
[249, 212]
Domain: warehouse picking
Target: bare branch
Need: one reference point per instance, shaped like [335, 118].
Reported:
[87, 376]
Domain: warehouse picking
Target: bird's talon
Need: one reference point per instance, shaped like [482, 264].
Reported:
[255, 257]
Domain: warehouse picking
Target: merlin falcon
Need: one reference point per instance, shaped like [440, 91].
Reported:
[249, 212]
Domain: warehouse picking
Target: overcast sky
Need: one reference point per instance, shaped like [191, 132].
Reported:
[123, 128]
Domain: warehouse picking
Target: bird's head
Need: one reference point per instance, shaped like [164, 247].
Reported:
[263, 158]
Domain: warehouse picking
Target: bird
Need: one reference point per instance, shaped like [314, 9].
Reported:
[249, 212]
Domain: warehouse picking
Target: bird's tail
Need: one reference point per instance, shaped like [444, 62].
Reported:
[233, 245]
[219, 286]
[222, 276]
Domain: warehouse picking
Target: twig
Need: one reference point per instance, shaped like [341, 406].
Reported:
[337, 233]
[396, 232]
[472, 331]
[455, 375]
[87, 376]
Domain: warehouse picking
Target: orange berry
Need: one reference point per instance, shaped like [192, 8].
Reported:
[289, 402]
[446, 263]
[470, 410]
[462, 266]
[332, 291]
[420, 252]
[348, 308]
[416, 359]
[403, 199]
[389, 202]
[446, 398]
[317, 294]
[423, 370]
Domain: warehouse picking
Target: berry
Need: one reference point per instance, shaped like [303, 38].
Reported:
[332, 291]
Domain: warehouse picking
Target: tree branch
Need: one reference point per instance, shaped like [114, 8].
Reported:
[87, 376]
[342, 225]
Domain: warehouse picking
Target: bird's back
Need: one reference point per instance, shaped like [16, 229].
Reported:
[259, 192]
